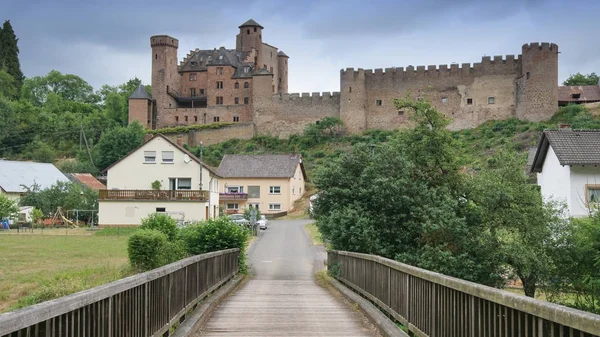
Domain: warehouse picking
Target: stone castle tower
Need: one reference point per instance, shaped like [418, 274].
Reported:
[250, 84]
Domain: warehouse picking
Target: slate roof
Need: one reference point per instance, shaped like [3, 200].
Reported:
[281, 53]
[587, 93]
[140, 92]
[87, 180]
[572, 147]
[251, 23]
[14, 174]
[200, 60]
[260, 166]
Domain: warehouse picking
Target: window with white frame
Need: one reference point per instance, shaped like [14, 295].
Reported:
[149, 156]
[180, 183]
[274, 189]
[274, 207]
[168, 156]
[253, 191]
[235, 189]
[233, 206]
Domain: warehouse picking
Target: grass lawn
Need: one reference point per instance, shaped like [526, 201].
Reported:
[35, 268]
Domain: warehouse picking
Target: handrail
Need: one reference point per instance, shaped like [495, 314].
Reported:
[430, 303]
[154, 300]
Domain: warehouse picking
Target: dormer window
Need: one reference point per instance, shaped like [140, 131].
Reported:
[576, 96]
[194, 63]
[246, 70]
[220, 57]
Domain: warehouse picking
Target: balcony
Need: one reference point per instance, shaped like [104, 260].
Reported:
[148, 195]
[233, 196]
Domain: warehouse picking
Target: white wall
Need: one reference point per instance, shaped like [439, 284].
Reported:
[129, 213]
[554, 180]
[265, 197]
[132, 173]
[580, 176]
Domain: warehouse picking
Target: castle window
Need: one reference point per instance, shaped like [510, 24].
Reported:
[491, 100]
[400, 112]
[201, 91]
[236, 100]
[246, 100]
[469, 101]
[155, 56]
[219, 84]
[246, 70]
[280, 80]
[255, 29]
[576, 96]
[220, 69]
[216, 119]
[349, 89]
[176, 118]
[444, 99]
[195, 118]
[378, 102]
[192, 76]
[260, 36]
[194, 63]
[248, 31]
[237, 85]
[246, 85]
[220, 57]
[528, 75]
[236, 118]
[193, 92]
[219, 100]
[185, 118]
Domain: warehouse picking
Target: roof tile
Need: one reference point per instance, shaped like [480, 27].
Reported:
[259, 166]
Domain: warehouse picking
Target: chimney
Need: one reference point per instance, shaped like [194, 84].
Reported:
[566, 127]
[148, 137]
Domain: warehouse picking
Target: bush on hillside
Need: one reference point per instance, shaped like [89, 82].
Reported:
[213, 235]
[162, 223]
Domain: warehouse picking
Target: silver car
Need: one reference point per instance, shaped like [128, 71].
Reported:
[263, 222]
[239, 219]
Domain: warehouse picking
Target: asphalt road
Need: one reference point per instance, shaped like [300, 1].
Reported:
[281, 298]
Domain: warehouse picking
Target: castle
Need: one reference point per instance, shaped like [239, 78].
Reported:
[250, 83]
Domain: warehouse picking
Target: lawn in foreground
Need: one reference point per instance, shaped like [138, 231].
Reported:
[36, 268]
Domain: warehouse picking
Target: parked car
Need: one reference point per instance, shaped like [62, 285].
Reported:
[239, 219]
[311, 201]
[263, 222]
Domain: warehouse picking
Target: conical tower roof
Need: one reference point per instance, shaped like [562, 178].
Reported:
[251, 23]
[141, 93]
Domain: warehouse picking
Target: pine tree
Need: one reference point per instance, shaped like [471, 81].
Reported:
[9, 53]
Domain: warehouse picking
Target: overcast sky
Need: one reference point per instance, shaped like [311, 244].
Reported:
[108, 42]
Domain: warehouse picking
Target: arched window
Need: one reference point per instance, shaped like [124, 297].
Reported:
[248, 31]
[246, 85]
[237, 85]
[246, 100]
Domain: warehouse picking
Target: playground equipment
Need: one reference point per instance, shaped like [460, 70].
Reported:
[59, 218]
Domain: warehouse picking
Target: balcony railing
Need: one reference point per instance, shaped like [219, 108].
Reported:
[233, 196]
[178, 195]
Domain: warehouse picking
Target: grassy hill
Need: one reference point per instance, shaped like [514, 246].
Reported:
[474, 145]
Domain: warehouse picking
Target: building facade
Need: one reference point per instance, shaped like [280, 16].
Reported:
[158, 177]
[250, 84]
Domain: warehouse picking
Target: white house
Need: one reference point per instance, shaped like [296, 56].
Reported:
[567, 165]
[17, 176]
[188, 190]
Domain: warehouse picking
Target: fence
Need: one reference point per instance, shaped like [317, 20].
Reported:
[171, 195]
[435, 305]
[146, 304]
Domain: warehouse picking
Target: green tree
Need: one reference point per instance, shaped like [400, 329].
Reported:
[9, 53]
[580, 79]
[116, 143]
[67, 195]
[69, 87]
[8, 86]
[39, 151]
[8, 208]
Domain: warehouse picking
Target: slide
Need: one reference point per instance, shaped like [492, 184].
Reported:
[69, 222]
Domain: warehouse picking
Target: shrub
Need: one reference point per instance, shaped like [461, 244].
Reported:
[146, 249]
[162, 223]
[213, 235]
[174, 251]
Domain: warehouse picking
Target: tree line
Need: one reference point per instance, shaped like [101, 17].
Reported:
[410, 200]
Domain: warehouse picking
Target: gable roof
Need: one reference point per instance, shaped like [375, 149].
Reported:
[260, 166]
[87, 180]
[16, 174]
[192, 156]
[200, 60]
[572, 147]
[140, 92]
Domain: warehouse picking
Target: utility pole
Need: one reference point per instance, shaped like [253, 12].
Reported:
[87, 147]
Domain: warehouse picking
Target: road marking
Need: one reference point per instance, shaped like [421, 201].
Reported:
[266, 261]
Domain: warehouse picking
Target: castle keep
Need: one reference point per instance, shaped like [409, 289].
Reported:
[250, 84]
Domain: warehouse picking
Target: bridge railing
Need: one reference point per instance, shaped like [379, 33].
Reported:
[146, 304]
[432, 304]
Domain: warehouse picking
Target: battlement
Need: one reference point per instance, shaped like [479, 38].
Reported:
[547, 46]
[508, 64]
[306, 96]
[164, 40]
